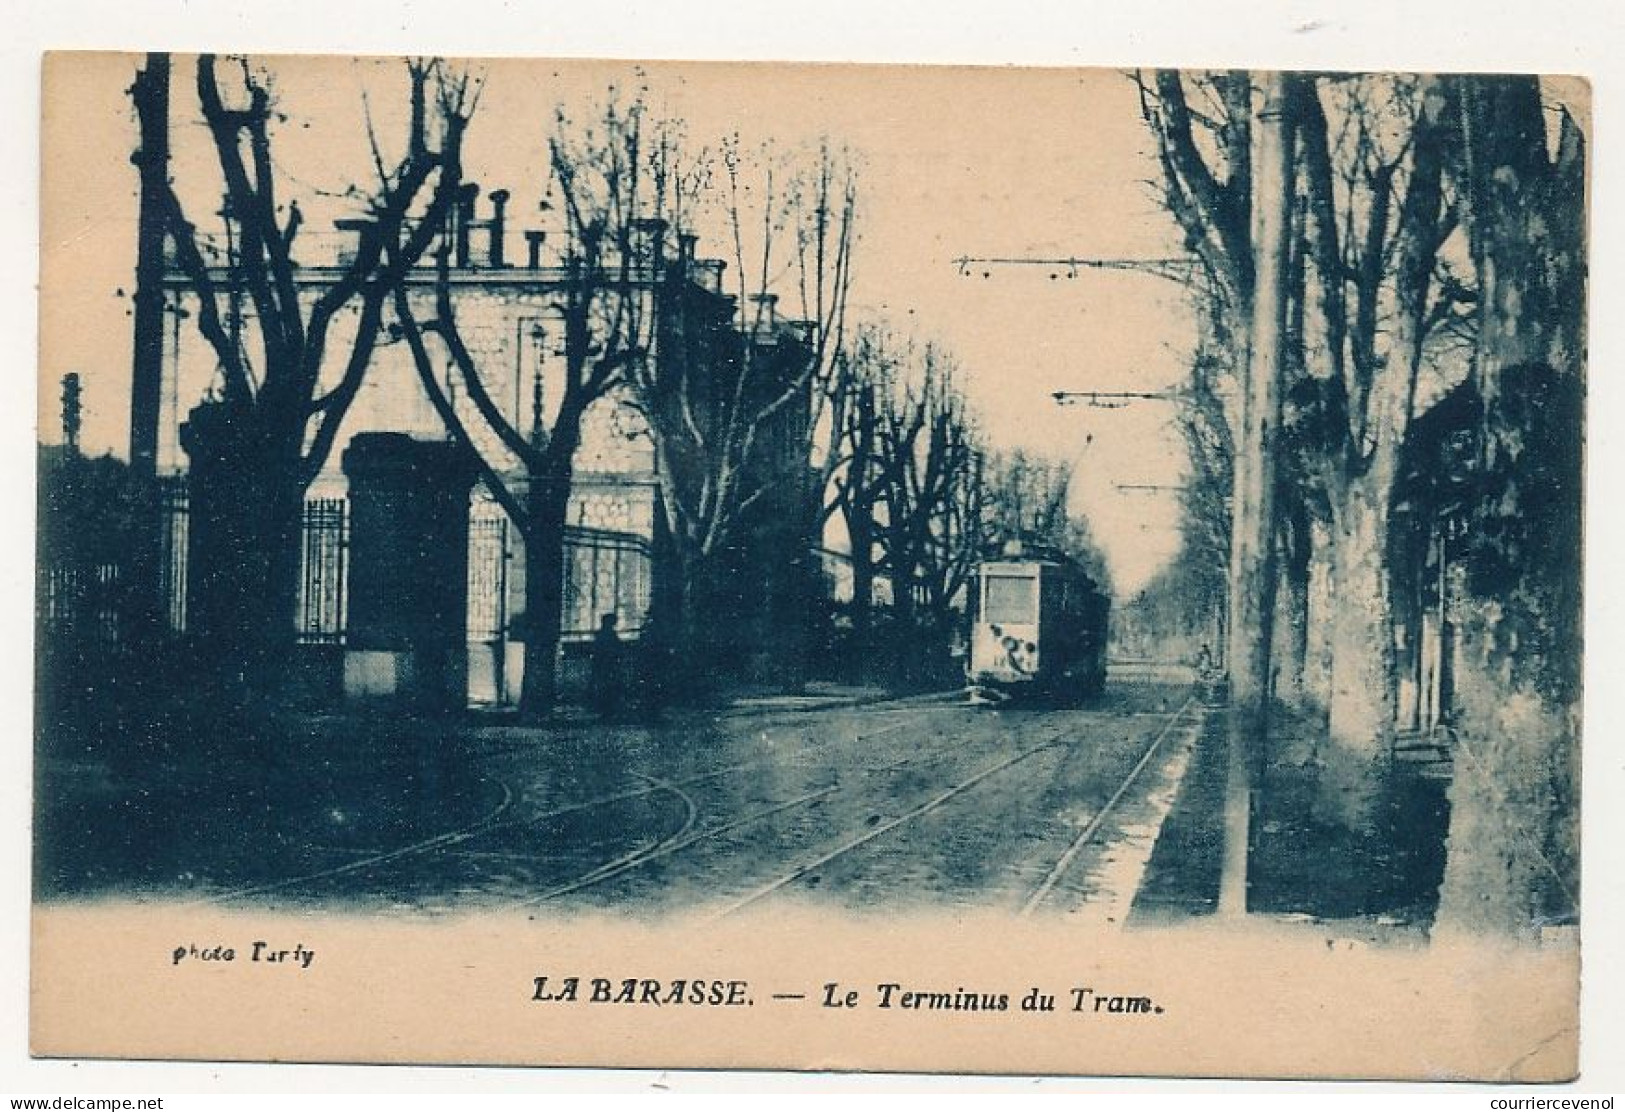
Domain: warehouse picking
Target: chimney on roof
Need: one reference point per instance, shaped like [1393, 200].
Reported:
[499, 204]
[648, 240]
[466, 196]
[534, 239]
[767, 311]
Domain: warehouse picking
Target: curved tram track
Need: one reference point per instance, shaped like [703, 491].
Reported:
[691, 830]
[498, 820]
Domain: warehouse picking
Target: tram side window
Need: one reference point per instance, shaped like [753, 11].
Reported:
[1011, 600]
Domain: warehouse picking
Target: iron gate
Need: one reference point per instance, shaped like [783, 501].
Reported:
[174, 520]
[323, 572]
[605, 572]
[488, 556]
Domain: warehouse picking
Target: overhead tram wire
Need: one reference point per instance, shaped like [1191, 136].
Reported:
[1173, 269]
[1117, 399]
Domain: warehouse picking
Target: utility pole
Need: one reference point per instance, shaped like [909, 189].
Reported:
[1252, 549]
[72, 412]
[142, 581]
[151, 95]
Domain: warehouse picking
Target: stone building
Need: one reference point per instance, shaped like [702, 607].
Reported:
[507, 306]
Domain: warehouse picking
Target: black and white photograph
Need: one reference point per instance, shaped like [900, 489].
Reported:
[1130, 509]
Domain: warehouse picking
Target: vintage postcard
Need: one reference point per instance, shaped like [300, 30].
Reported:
[896, 568]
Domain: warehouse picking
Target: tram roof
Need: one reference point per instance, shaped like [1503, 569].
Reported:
[1035, 563]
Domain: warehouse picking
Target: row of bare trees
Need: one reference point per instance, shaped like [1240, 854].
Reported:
[920, 498]
[732, 394]
[1373, 248]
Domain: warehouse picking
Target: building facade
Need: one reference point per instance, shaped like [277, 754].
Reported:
[508, 309]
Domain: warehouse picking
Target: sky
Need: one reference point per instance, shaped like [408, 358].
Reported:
[952, 162]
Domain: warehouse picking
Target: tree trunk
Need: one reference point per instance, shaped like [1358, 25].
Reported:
[548, 505]
[284, 563]
[1515, 599]
[1514, 839]
[1290, 651]
[1319, 599]
[703, 647]
[861, 541]
[1363, 697]
[902, 596]
[1513, 842]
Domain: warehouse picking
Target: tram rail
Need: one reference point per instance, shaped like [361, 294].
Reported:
[690, 831]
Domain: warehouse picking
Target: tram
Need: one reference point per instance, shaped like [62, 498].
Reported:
[1038, 628]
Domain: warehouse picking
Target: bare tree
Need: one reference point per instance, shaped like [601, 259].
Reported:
[1377, 219]
[1205, 127]
[854, 463]
[1205, 497]
[957, 538]
[935, 515]
[1361, 298]
[605, 296]
[733, 403]
[1204, 151]
[257, 444]
[1027, 497]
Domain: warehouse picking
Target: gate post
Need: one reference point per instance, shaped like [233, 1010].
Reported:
[406, 632]
[228, 585]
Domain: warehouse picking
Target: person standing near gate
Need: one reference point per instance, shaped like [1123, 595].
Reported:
[606, 693]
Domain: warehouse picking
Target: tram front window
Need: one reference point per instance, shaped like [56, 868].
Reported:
[1011, 600]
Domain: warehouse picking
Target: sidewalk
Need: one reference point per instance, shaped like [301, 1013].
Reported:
[1381, 886]
[1181, 881]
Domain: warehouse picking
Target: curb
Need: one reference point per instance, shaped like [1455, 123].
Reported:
[736, 710]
